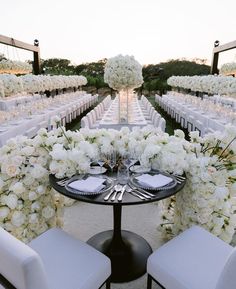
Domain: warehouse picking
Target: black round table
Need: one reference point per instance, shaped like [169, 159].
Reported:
[127, 251]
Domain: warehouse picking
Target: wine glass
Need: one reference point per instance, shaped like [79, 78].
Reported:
[101, 161]
[111, 160]
[129, 160]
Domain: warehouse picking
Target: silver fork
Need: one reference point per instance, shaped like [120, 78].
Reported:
[118, 188]
[114, 191]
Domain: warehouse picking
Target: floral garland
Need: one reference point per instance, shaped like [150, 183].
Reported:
[228, 68]
[15, 67]
[214, 84]
[28, 206]
[123, 72]
[11, 84]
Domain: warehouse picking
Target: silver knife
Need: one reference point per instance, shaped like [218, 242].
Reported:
[122, 193]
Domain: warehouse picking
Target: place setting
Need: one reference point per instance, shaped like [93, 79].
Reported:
[129, 179]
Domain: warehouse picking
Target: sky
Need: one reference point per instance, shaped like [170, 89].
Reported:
[152, 31]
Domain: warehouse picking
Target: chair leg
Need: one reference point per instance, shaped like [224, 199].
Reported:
[149, 282]
[108, 284]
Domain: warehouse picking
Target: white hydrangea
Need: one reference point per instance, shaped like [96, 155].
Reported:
[123, 72]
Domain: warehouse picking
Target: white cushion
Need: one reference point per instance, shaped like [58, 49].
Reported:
[192, 260]
[70, 263]
[19, 264]
[228, 277]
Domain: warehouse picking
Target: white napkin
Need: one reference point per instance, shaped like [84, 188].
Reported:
[154, 181]
[91, 184]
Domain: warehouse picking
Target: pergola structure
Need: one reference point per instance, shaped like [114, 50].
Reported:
[216, 50]
[22, 45]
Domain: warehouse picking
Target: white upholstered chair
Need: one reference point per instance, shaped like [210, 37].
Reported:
[195, 259]
[54, 260]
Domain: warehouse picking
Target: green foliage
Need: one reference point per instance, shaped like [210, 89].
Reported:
[94, 69]
[56, 66]
[155, 75]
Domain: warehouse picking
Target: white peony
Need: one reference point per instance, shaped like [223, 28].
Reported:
[18, 188]
[18, 218]
[123, 72]
[32, 196]
[4, 212]
[10, 201]
[48, 212]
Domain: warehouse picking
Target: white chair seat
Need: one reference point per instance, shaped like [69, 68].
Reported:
[193, 260]
[78, 265]
[54, 260]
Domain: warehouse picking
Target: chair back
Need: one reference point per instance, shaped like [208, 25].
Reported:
[227, 278]
[19, 264]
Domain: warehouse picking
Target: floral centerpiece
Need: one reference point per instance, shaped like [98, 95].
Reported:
[123, 73]
[28, 206]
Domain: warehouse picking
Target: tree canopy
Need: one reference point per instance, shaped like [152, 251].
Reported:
[155, 75]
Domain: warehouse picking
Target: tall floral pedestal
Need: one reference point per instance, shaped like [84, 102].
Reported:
[125, 99]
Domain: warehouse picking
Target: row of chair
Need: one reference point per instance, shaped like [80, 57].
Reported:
[224, 101]
[151, 115]
[91, 120]
[67, 114]
[195, 259]
[189, 119]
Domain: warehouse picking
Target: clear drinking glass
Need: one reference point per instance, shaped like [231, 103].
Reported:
[122, 174]
[111, 160]
[101, 161]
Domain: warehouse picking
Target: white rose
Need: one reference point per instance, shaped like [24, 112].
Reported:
[33, 218]
[41, 189]
[10, 169]
[28, 180]
[221, 192]
[48, 212]
[35, 206]
[27, 150]
[38, 172]
[32, 196]
[4, 211]
[59, 154]
[179, 133]
[11, 201]
[17, 188]
[55, 120]
[18, 218]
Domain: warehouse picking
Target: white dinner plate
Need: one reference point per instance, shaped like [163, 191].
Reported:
[97, 170]
[139, 169]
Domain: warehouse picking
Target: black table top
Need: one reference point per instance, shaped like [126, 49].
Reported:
[128, 199]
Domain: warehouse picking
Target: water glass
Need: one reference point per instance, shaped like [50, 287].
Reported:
[122, 175]
[111, 160]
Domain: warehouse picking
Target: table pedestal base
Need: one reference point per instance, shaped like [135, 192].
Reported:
[128, 254]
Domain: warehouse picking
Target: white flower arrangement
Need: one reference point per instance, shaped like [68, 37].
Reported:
[28, 206]
[228, 68]
[208, 197]
[12, 85]
[123, 72]
[214, 84]
[15, 67]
